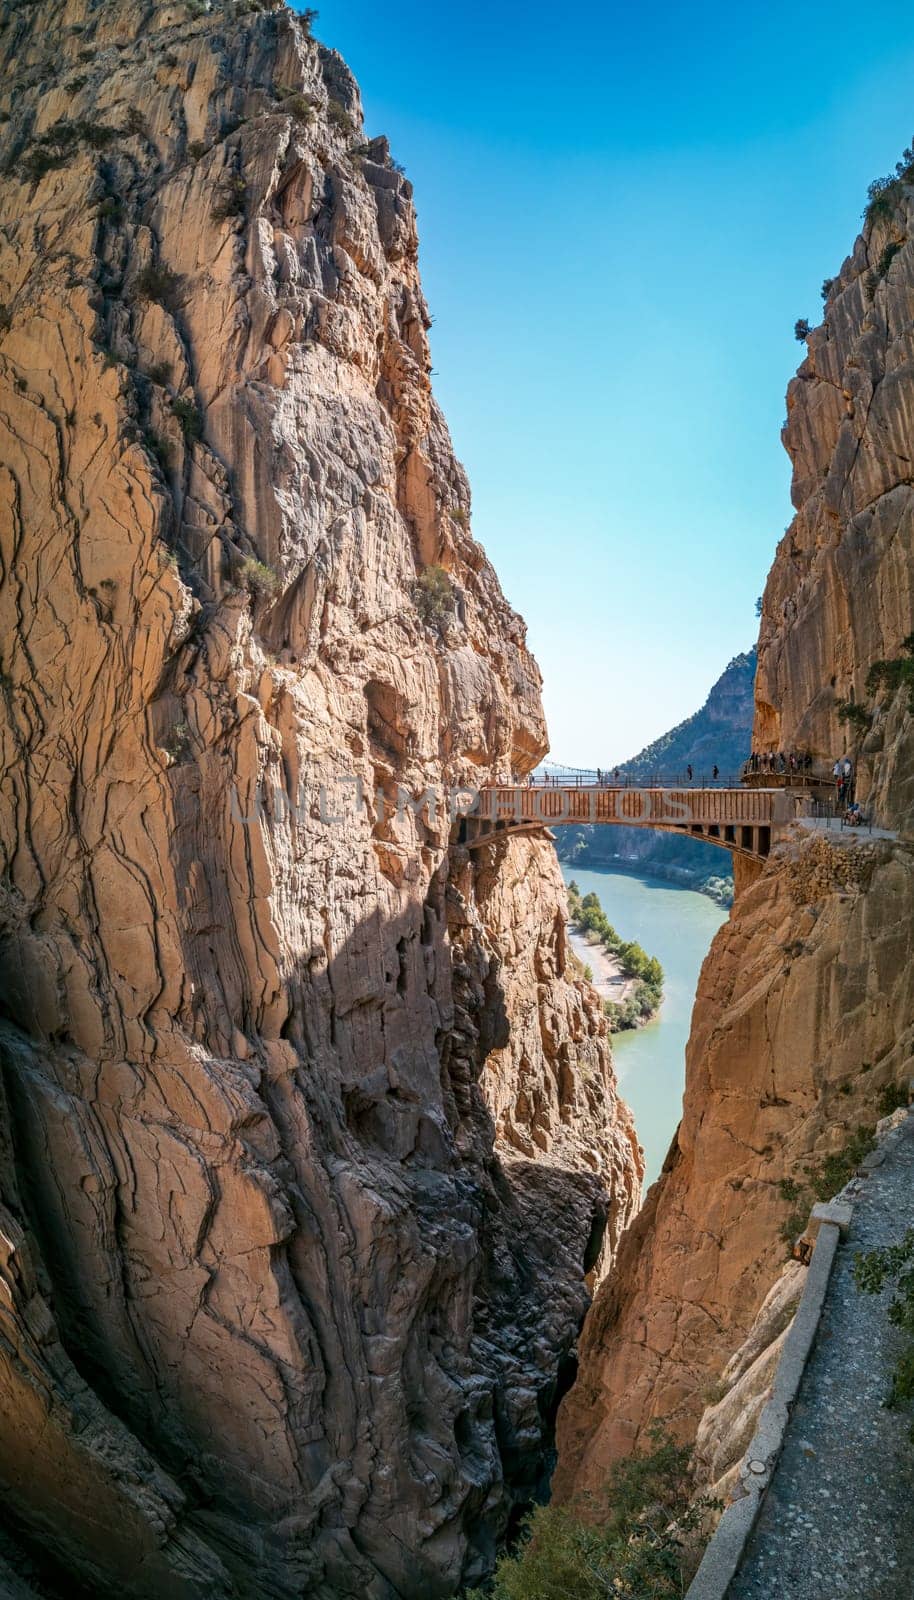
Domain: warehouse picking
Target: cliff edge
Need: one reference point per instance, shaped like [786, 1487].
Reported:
[308, 1141]
[804, 1018]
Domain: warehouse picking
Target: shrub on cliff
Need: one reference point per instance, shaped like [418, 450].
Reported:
[801, 329]
[433, 597]
[189, 418]
[339, 117]
[259, 579]
[894, 674]
[883, 196]
[894, 1264]
[852, 712]
[159, 284]
[637, 1539]
[230, 199]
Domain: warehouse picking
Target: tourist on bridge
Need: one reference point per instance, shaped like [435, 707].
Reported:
[689, 771]
[715, 773]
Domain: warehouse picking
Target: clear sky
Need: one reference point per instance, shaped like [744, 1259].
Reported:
[623, 209]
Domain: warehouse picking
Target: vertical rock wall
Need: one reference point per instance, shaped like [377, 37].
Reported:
[805, 1007]
[311, 1140]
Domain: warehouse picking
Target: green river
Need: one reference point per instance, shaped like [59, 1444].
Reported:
[677, 926]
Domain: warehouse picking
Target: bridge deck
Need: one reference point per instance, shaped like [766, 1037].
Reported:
[628, 806]
[736, 818]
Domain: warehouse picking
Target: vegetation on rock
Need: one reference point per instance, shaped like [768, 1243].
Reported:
[433, 594]
[822, 1179]
[638, 1539]
[894, 1264]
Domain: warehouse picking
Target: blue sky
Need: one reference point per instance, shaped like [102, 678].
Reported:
[622, 212]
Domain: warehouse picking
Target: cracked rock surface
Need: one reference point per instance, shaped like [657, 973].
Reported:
[805, 1006]
[311, 1148]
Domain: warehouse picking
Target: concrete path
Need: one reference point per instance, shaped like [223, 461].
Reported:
[832, 827]
[836, 1520]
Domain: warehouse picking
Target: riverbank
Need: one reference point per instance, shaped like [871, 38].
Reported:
[678, 925]
[627, 962]
[608, 978]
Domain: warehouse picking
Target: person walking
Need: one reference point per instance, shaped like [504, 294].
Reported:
[715, 773]
[689, 771]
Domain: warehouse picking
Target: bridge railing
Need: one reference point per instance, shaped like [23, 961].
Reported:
[587, 778]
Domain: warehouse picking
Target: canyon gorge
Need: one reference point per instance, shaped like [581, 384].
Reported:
[310, 1140]
[804, 1014]
[319, 1203]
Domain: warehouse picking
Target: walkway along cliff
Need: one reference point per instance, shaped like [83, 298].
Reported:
[308, 1140]
[805, 1009]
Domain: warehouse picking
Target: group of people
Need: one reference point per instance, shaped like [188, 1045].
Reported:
[779, 761]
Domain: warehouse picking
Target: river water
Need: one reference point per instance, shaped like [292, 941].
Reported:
[677, 926]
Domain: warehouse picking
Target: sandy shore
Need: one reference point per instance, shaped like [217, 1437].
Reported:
[608, 978]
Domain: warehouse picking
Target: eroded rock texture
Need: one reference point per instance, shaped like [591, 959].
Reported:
[840, 594]
[805, 1007]
[311, 1138]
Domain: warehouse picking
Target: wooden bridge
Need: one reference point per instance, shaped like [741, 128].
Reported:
[736, 818]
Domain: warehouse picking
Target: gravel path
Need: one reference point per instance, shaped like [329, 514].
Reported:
[836, 1521]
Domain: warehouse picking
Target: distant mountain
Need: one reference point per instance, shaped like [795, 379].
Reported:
[717, 735]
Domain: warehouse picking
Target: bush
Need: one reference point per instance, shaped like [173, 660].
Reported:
[801, 329]
[160, 373]
[852, 712]
[888, 256]
[259, 579]
[157, 447]
[196, 149]
[136, 122]
[230, 199]
[892, 1096]
[176, 743]
[883, 196]
[894, 674]
[299, 107]
[159, 284]
[827, 287]
[433, 595]
[894, 1264]
[636, 1541]
[189, 417]
[823, 1179]
[110, 209]
[339, 117]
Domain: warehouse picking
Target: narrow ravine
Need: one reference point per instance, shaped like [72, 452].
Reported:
[677, 925]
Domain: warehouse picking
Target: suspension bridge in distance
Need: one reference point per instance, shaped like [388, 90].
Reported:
[743, 819]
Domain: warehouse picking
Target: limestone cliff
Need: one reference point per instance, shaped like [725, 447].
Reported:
[805, 1007]
[308, 1137]
[840, 595]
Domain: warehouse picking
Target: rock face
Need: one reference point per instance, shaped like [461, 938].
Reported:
[309, 1138]
[805, 1007]
[840, 595]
